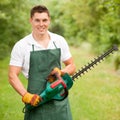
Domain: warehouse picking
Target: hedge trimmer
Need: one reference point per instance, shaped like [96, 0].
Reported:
[58, 89]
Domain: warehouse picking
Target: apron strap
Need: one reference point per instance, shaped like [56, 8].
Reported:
[54, 44]
[32, 47]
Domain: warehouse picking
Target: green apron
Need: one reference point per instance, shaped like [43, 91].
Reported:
[41, 64]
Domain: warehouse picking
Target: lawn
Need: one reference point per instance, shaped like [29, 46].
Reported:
[94, 96]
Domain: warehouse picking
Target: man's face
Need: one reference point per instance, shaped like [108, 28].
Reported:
[40, 23]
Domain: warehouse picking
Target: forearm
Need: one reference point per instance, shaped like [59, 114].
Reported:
[15, 81]
[17, 85]
[69, 67]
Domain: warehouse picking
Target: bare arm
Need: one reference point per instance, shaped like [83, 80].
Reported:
[69, 66]
[15, 81]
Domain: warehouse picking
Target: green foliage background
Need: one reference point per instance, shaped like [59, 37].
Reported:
[95, 22]
[90, 24]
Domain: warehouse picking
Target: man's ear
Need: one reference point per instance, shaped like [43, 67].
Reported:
[30, 20]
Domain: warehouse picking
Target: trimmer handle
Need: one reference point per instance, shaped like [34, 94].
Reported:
[57, 90]
[64, 93]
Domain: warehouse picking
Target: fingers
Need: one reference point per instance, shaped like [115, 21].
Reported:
[35, 100]
[32, 99]
[56, 70]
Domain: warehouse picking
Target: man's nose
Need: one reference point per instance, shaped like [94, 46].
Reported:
[41, 23]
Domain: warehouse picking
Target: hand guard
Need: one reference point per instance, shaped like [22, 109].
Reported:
[32, 99]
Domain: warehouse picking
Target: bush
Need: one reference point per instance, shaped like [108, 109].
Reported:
[4, 51]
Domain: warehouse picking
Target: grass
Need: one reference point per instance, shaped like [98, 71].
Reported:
[11, 105]
[94, 96]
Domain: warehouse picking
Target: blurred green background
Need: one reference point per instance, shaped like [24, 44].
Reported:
[91, 21]
[90, 28]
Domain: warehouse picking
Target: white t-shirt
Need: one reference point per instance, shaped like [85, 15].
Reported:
[20, 55]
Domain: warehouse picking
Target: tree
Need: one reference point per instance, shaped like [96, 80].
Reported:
[14, 17]
[96, 22]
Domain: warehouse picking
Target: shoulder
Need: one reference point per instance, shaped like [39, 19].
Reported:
[58, 39]
[23, 43]
[22, 46]
[25, 40]
[56, 36]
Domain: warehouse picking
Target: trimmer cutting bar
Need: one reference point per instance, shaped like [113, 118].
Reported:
[94, 62]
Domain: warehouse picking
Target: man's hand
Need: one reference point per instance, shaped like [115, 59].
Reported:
[52, 76]
[32, 99]
[56, 71]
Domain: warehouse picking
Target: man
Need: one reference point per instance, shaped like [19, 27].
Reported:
[36, 55]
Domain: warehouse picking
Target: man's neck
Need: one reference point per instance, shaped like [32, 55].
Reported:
[42, 39]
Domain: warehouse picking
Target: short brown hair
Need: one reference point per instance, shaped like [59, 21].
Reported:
[39, 9]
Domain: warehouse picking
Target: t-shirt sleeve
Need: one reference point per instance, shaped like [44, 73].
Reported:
[65, 51]
[16, 58]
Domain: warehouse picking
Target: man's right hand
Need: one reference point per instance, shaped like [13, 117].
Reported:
[32, 99]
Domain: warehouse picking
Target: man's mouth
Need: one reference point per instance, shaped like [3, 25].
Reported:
[41, 29]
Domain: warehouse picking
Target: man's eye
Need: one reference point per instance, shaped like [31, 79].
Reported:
[37, 20]
[45, 20]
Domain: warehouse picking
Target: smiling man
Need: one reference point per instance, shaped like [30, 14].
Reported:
[36, 55]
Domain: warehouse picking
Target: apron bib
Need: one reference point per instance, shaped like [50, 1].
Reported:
[41, 64]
